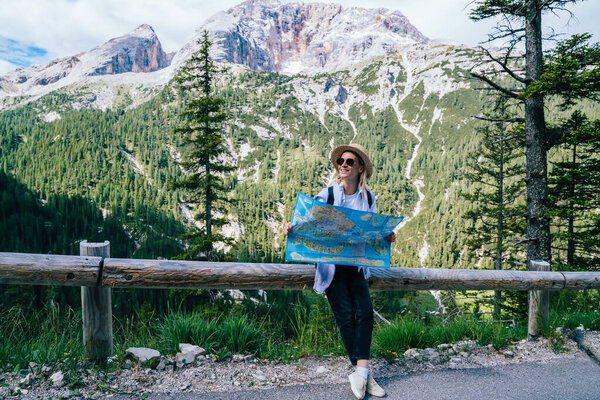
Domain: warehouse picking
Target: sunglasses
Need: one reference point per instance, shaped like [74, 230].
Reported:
[349, 161]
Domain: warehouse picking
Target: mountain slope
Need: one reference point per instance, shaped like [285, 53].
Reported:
[139, 51]
[402, 96]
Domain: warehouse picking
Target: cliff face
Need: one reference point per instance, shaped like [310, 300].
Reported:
[295, 37]
[139, 51]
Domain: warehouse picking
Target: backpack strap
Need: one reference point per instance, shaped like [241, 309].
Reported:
[370, 199]
[330, 197]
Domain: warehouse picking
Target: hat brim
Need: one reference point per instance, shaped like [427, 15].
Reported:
[361, 152]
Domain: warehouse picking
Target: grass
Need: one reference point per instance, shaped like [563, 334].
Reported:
[41, 337]
[54, 334]
[391, 341]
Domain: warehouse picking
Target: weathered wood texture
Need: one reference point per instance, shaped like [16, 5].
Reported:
[212, 275]
[37, 269]
[45, 269]
[205, 275]
[96, 308]
[463, 279]
[539, 303]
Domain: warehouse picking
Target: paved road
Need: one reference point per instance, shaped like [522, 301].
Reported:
[575, 379]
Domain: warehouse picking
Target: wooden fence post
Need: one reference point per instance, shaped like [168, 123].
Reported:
[96, 308]
[539, 303]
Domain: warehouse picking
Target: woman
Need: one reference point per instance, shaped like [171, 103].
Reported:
[346, 286]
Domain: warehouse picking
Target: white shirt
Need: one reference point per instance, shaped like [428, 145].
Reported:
[352, 201]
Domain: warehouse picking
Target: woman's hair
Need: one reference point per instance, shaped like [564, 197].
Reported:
[362, 178]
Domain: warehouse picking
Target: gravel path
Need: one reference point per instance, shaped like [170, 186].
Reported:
[208, 376]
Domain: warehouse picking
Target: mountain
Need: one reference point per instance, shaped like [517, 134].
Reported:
[262, 35]
[294, 37]
[139, 51]
[302, 79]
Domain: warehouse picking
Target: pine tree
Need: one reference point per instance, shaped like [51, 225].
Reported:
[574, 194]
[204, 152]
[521, 21]
[497, 203]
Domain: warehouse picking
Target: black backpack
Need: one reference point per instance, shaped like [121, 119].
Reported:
[330, 197]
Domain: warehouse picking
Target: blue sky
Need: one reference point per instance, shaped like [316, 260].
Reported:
[38, 31]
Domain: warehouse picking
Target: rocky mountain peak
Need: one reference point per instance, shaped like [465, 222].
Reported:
[144, 31]
[138, 51]
[297, 37]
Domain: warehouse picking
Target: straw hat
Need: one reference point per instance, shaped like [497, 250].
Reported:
[357, 149]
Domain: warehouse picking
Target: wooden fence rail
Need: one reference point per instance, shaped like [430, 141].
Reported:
[95, 269]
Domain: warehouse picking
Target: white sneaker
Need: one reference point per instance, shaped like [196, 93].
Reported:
[373, 388]
[358, 384]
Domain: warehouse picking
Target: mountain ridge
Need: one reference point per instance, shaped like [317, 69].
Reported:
[269, 36]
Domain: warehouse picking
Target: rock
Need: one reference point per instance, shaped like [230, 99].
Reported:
[321, 370]
[444, 346]
[58, 379]
[259, 376]
[411, 353]
[26, 381]
[128, 364]
[191, 348]
[161, 366]
[185, 386]
[455, 359]
[236, 383]
[46, 370]
[508, 353]
[142, 355]
[463, 354]
[182, 359]
[237, 358]
[431, 353]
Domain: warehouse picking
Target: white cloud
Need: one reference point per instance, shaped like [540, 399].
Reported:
[68, 27]
[6, 66]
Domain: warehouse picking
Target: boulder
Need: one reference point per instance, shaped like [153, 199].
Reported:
[143, 355]
[411, 353]
[190, 348]
[58, 379]
[182, 359]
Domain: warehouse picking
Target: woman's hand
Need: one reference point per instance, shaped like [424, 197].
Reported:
[391, 237]
[287, 229]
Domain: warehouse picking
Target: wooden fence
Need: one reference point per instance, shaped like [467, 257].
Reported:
[97, 273]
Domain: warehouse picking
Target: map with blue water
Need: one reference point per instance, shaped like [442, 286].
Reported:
[330, 234]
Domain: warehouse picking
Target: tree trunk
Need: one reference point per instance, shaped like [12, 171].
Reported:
[500, 226]
[538, 226]
[571, 228]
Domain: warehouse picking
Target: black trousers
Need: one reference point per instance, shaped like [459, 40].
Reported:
[349, 298]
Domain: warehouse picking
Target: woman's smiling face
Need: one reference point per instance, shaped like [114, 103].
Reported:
[350, 172]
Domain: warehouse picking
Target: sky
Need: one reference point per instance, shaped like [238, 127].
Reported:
[37, 31]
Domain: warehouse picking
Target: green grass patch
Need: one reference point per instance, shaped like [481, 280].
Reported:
[390, 341]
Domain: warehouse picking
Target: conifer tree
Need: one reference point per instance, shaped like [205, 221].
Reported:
[497, 203]
[204, 152]
[574, 194]
[521, 22]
